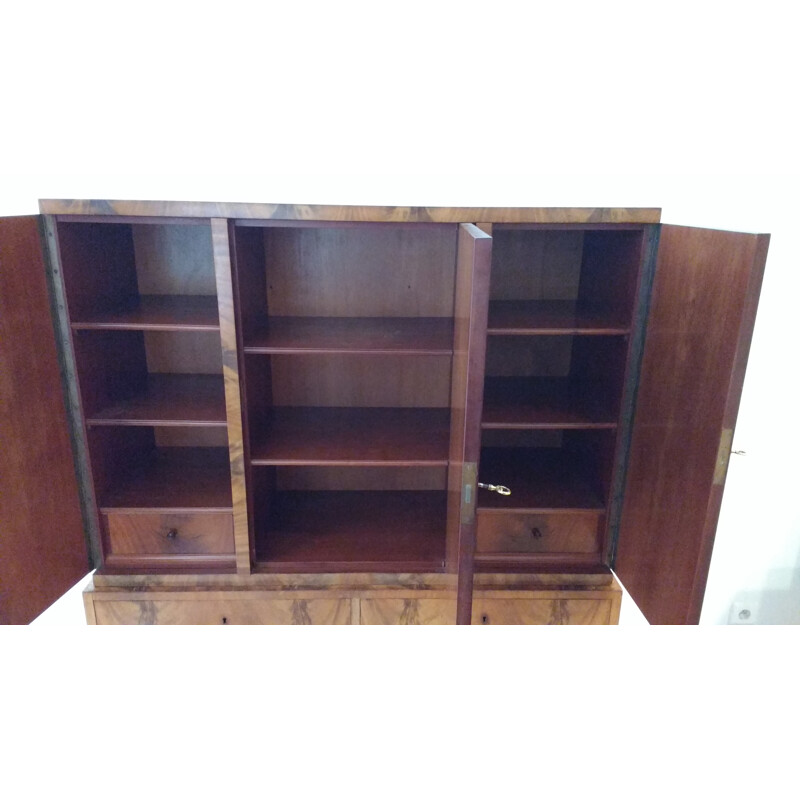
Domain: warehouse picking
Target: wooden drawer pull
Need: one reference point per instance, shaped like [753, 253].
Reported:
[536, 533]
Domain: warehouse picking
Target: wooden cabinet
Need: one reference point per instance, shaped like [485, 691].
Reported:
[486, 395]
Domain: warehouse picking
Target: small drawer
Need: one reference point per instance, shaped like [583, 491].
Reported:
[537, 533]
[170, 534]
[596, 610]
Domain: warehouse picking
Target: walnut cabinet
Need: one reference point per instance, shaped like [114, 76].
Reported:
[319, 414]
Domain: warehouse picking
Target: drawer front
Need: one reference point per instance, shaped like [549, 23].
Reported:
[170, 534]
[538, 533]
[400, 611]
[595, 611]
[225, 611]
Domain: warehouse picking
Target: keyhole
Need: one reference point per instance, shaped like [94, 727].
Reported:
[224, 620]
[485, 619]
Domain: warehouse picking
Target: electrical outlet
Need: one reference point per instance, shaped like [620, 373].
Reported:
[743, 613]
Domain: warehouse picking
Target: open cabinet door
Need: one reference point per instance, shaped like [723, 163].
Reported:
[42, 547]
[702, 312]
[473, 264]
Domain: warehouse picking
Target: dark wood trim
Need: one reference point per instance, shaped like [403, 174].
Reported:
[75, 407]
[156, 208]
[628, 403]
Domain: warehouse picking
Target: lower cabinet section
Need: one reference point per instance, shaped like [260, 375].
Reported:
[348, 600]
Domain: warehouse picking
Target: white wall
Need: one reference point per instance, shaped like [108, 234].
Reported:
[440, 106]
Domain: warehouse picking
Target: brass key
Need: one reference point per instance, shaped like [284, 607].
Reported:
[492, 488]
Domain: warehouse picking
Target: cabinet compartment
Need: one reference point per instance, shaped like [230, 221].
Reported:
[563, 281]
[161, 469]
[350, 519]
[150, 377]
[553, 381]
[346, 287]
[348, 410]
[547, 470]
[143, 276]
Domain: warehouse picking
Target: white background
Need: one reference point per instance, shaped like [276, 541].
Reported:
[692, 108]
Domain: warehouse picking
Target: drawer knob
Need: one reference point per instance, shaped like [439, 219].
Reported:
[172, 533]
[536, 533]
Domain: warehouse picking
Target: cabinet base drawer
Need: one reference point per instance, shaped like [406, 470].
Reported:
[169, 534]
[537, 533]
[558, 609]
[411, 611]
[343, 599]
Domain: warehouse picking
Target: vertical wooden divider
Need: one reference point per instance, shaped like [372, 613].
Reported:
[233, 401]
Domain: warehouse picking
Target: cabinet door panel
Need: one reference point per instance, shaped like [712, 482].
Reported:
[466, 403]
[42, 546]
[702, 312]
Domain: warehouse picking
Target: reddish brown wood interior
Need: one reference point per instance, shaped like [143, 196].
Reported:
[560, 314]
[347, 332]
[145, 330]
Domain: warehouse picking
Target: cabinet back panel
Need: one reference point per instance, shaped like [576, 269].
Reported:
[174, 259]
[191, 437]
[366, 381]
[110, 365]
[610, 269]
[98, 264]
[509, 356]
[360, 478]
[361, 271]
[536, 265]
[185, 352]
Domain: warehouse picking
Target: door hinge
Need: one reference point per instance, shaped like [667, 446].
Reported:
[723, 456]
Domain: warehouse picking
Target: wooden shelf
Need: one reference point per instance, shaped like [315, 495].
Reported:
[353, 436]
[555, 403]
[174, 479]
[359, 335]
[540, 479]
[552, 317]
[157, 313]
[357, 531]
[170, 400]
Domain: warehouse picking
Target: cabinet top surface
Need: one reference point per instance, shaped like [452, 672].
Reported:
[331, 213]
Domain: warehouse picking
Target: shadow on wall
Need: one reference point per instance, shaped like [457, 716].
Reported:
[772, 606]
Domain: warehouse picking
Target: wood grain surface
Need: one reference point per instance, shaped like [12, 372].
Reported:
[551, 611]
[170, 534]
[42, 547]
[233, 400]
[158, 208]
[466, 398]
[537, 533]
[701, 319]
